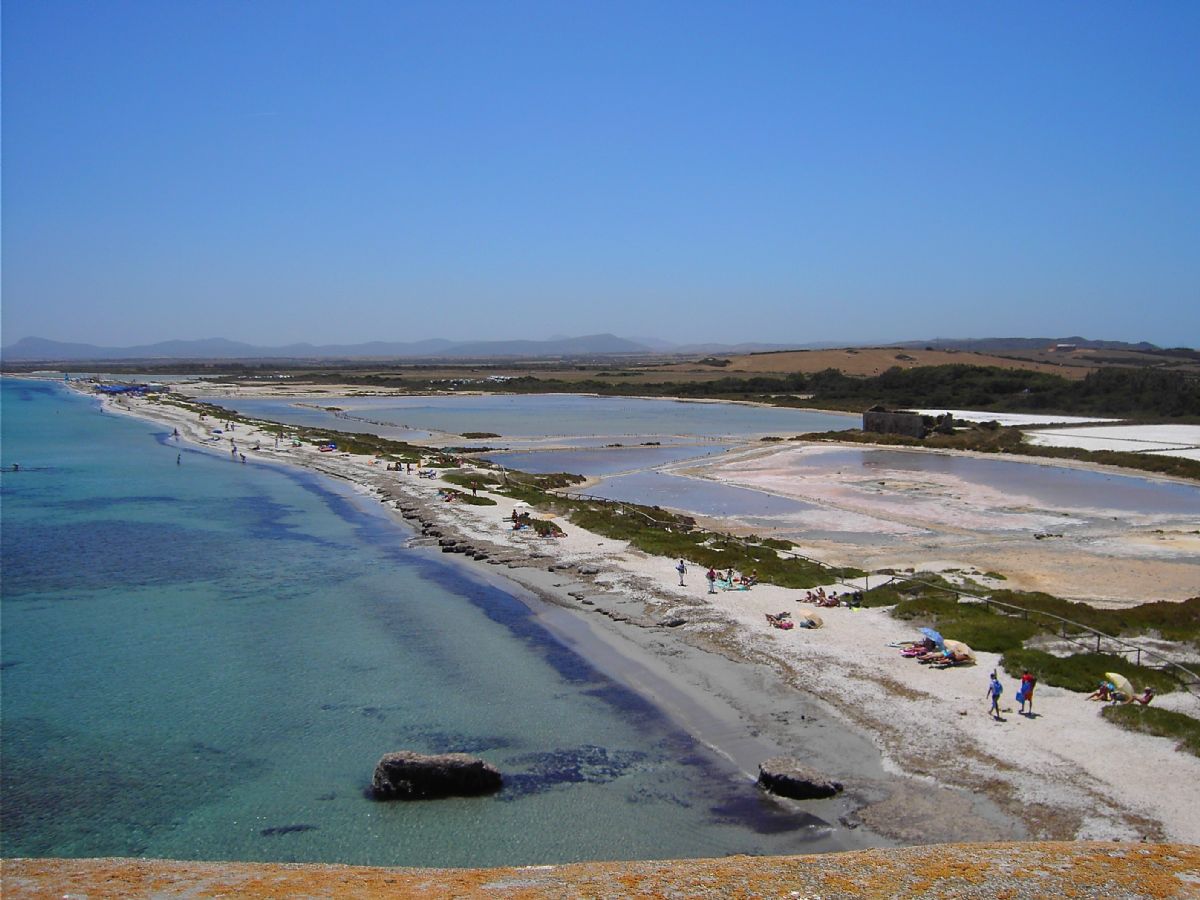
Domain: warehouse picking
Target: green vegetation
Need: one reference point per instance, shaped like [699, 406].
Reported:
[543, 527]
[471, 479]
[978, 626]
[1084, 671]
[927, 599]
[1129, 392]
[1171, 621]
[661, 533]
[468, 499]
[1159, 722]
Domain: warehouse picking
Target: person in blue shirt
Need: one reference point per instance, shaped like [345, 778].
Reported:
[995, 689]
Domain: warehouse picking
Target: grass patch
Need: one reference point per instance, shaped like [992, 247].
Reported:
[656, 531]
[1171, 621]
[468, 499]
[976, 625]
[1083, 671]
[471, 480]
[1158, 722]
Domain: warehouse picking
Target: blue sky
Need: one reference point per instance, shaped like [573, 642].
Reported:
[287, 171]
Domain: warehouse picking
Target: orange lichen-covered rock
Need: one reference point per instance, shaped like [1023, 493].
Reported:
[1018, 871]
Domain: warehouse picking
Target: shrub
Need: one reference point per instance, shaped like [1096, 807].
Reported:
[1083, 671]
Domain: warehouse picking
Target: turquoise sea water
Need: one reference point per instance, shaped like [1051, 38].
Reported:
[205, 660]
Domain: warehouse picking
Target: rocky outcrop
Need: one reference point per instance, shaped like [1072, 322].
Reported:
[788, 777]
[405, 775]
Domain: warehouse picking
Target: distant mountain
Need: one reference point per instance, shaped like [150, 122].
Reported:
[992, 345]
[34, 349]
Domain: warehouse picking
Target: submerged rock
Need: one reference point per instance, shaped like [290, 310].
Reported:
[788, 777]
[405, 775]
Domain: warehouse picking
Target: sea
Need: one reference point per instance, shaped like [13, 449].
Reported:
[203, 659]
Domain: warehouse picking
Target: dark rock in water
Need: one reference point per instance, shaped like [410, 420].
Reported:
[673, 623]
[788, 777]
[405, 775]
[286, 829]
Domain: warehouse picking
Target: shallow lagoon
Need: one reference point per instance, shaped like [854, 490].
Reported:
[532, 416]
[1051, 486]
[218, 653]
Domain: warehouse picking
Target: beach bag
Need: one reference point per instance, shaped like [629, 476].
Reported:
[1021, 695]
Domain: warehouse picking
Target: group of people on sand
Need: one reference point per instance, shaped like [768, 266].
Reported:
[1024, 694]
[852, 599]
[729, 582]
[929, 653]
[1107, 692]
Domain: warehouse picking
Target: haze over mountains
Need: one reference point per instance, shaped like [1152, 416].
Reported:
[35, 349]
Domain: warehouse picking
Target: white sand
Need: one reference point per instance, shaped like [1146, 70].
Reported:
[1011, 418]
[1162, 440]
[1069, 772]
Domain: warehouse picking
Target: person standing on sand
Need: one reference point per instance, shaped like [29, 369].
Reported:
[1026, 693]
[995, 689]
[712, 580]
[682, 570]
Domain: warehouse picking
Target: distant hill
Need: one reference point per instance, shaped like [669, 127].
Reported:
[34, 349]
[42, 350]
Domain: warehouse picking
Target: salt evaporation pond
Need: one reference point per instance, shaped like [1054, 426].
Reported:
[1052, 486]
[599, 462]
[533, 416]
[204, 660]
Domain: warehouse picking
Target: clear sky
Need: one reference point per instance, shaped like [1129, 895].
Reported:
[845, 171]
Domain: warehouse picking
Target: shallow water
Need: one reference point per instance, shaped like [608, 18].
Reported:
[601, 461]
[525, 416]
[204, 660]
[1049, 485]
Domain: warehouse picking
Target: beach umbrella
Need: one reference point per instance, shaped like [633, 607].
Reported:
[934, 636]
[958, 648]
[816, 620]
[1121, 683]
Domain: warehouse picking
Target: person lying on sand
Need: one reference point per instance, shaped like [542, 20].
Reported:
[1103, 693]
[1146, 697]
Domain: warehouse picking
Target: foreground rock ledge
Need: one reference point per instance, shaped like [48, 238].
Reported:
[405, 775]
[789, 777]
[1018, 871]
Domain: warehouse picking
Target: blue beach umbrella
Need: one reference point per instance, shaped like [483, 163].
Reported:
[934, 636]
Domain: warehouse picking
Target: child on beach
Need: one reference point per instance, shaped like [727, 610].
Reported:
[995, 689]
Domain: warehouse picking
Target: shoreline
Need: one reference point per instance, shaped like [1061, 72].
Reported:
[1027, 771]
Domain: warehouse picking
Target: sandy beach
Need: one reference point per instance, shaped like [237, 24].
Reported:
[926, 764]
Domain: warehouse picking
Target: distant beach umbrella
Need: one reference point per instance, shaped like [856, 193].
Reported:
[812, 617]
[935, 637]
[1121, 683]
[958, 648]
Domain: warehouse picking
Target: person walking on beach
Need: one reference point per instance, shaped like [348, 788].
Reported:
[995, 689]
[682, 570]
[1025, 695]
[712, 580]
